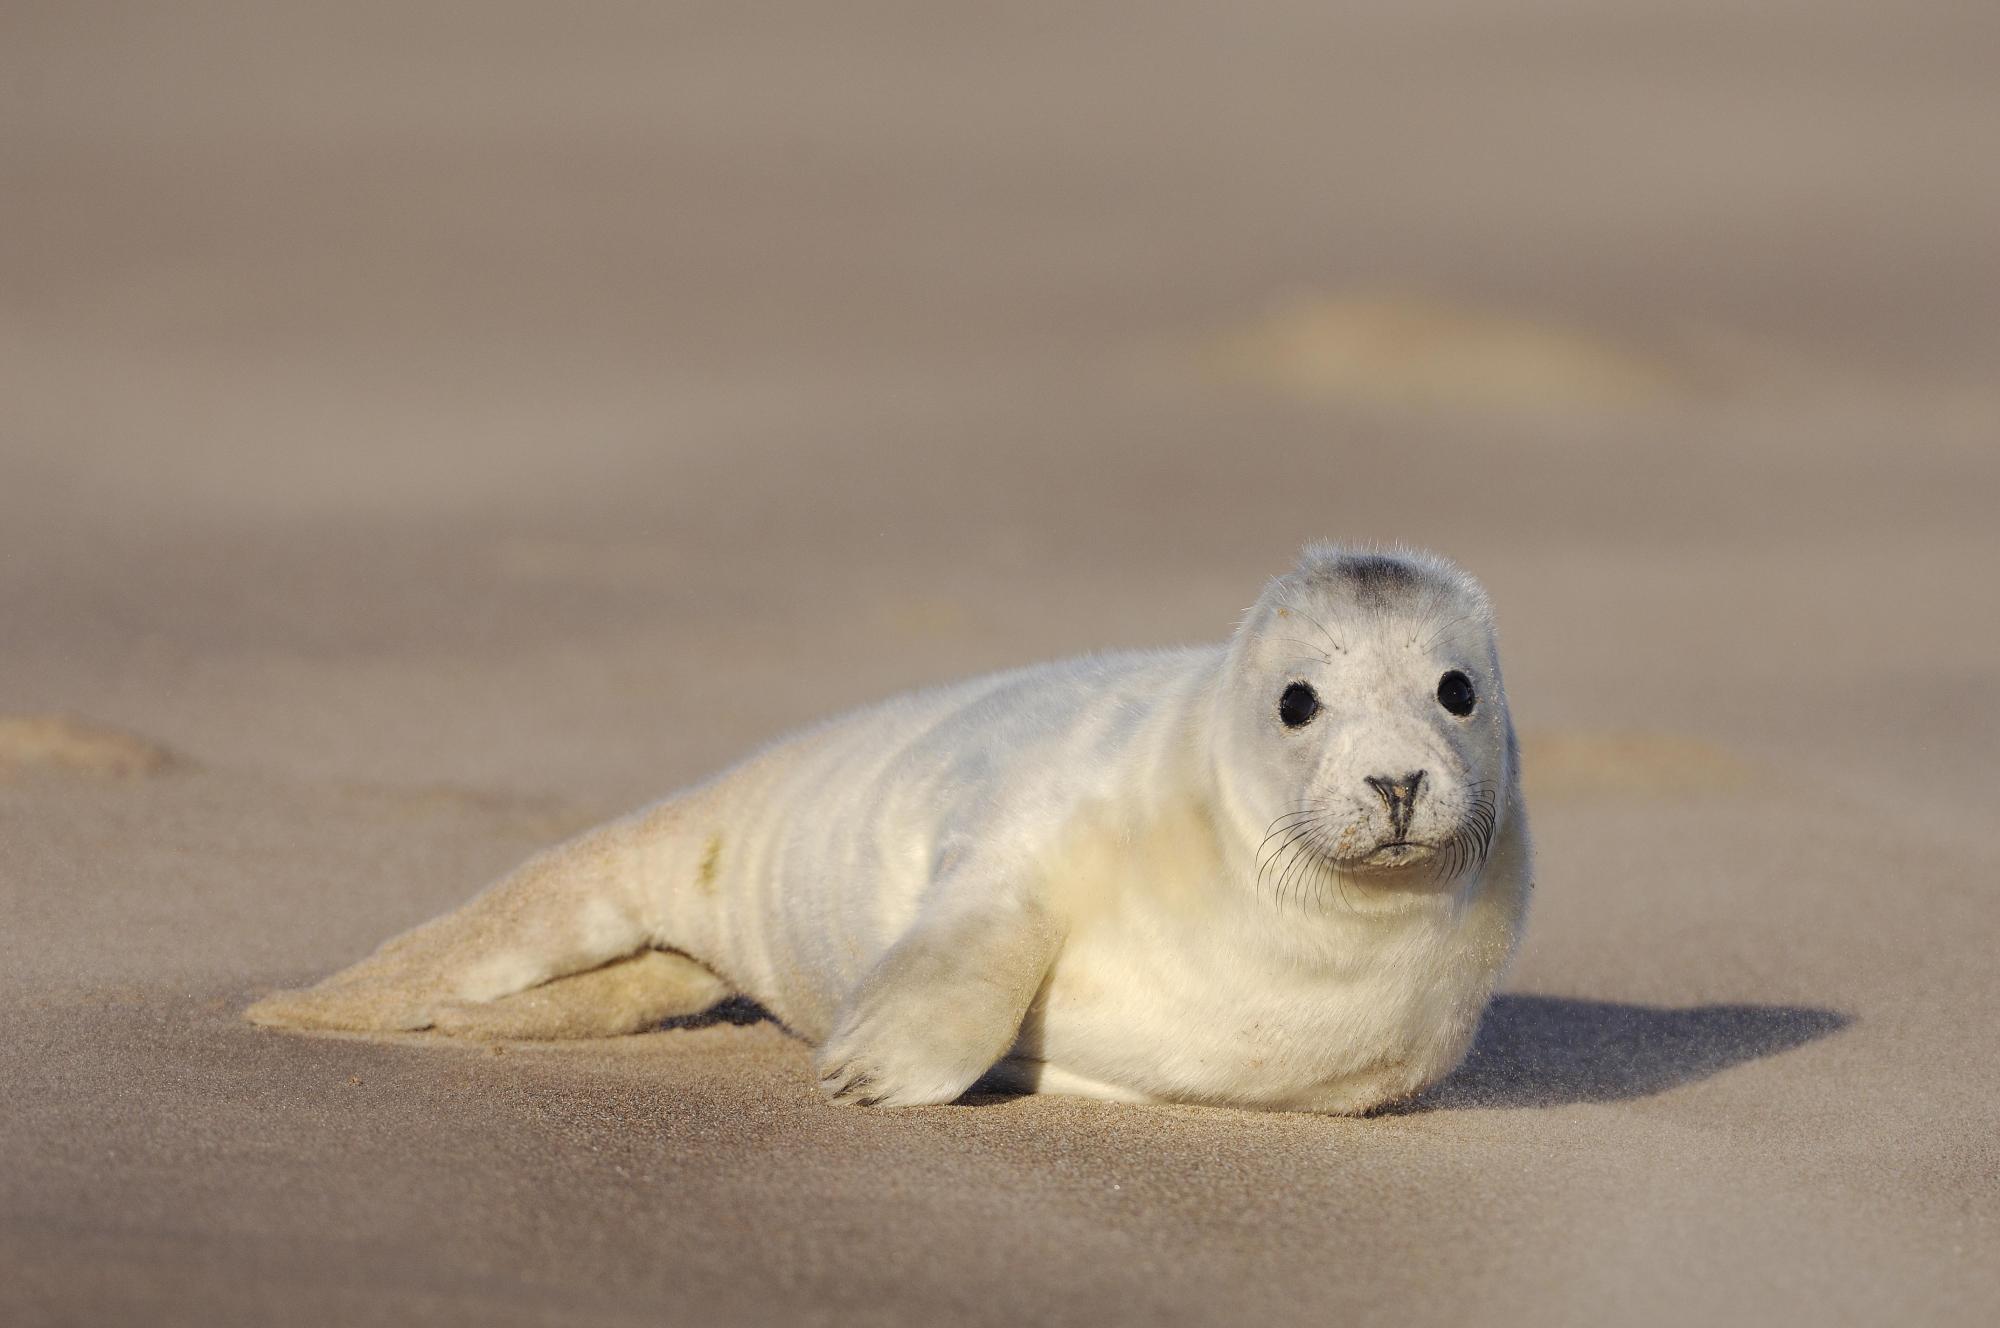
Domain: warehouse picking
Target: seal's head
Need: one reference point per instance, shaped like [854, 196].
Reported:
[1362, 732]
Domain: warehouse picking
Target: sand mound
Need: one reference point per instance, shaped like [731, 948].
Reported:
[66, 742]
[1407, 351]
[1579, 764]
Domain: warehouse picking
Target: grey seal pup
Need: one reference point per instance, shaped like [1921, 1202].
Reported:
[1284, 872]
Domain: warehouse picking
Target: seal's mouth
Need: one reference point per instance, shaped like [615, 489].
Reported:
[1396, 853]
[1307, 858]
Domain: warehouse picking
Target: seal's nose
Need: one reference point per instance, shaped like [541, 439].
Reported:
[1400, 793]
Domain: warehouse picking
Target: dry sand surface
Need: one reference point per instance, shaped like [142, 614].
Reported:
[425, 431]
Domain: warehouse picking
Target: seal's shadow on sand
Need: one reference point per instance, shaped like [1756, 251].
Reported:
[1551, 1051]
[1547, 1051]
[736, 1012]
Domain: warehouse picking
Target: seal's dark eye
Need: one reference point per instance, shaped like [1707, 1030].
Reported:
[1455, 693]
[1298, 705]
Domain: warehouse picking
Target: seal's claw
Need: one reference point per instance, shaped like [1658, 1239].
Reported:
[884, 1061]
[844, 1085]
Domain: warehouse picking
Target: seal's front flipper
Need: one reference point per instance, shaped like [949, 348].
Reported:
[624, 996]
[575, 907]
[940, 1008]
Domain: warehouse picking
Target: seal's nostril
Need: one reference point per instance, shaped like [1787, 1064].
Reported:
[1394, 790]
[1399, 795]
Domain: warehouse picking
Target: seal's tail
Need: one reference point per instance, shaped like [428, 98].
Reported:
[560, 948]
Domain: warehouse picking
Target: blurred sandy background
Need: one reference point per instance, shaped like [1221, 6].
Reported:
[426, 430]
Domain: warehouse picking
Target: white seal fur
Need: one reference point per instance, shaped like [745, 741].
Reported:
[1281, 872]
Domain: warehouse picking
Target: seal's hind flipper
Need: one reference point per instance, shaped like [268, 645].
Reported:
[575, 908]
[624, 996]
[356, 1008]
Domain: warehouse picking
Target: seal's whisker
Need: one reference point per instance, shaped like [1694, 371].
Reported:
[1445, 629]
[1293, 835]
[1304, 859]
[1331, 867]
[1288, 820]
[1264, 864]
[1292, 604]
[1287, 859]
[1295, 849]
[1316, 651]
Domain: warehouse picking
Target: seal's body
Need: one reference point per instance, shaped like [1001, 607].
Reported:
[1282, 872]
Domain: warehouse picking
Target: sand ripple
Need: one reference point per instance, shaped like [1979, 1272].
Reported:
[1405, 351]
[68, 742]
[1580, 763]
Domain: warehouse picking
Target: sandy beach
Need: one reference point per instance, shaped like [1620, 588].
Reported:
[426, 431]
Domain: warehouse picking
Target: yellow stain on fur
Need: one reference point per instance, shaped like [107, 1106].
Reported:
[711, 865]
[69, 742]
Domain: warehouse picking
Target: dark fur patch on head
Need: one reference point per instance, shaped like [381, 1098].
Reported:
[1379, 581]
[1393, 583]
